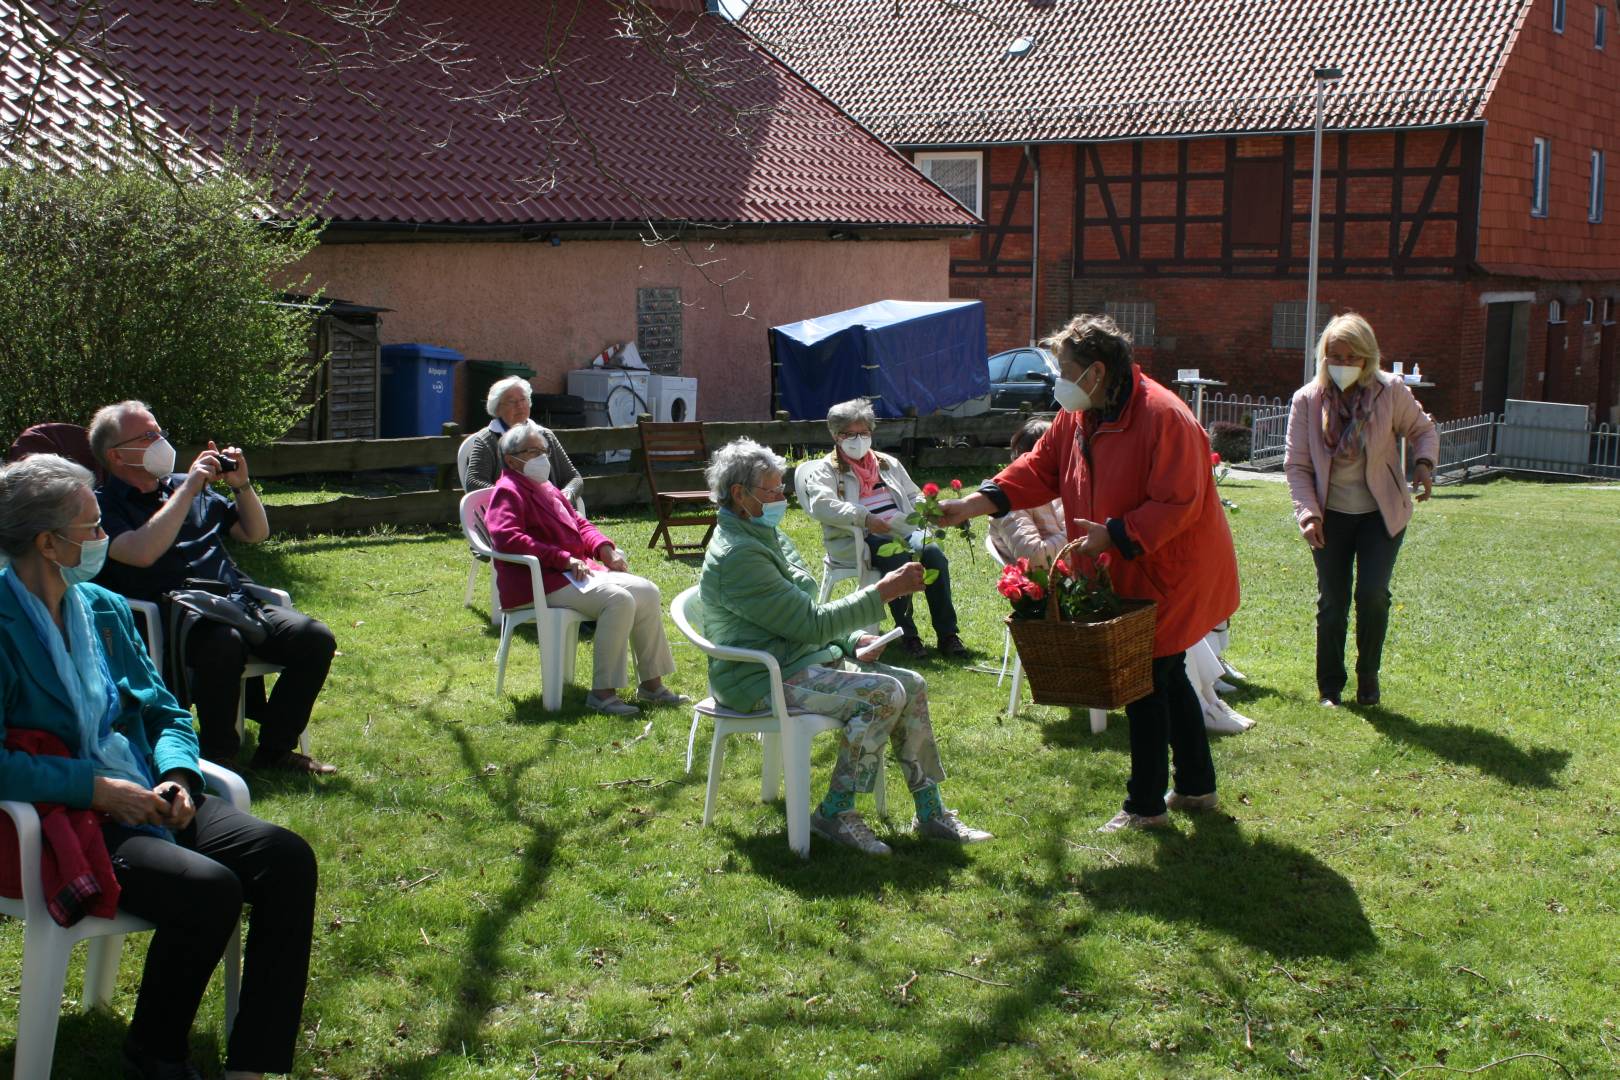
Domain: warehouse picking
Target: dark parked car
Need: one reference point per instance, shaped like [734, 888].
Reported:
[1020, 375]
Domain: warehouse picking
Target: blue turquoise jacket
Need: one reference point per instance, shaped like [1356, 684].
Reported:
[31, 696]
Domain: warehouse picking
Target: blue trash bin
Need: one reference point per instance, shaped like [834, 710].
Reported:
[416, 392]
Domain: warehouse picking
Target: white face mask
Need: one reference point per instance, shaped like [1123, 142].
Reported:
[538, 469]
[1343, 375]
[159, 459]
[856, 447]
[1071, 396]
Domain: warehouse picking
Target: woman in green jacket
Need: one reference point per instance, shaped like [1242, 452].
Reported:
[758, 594]
[72, 667]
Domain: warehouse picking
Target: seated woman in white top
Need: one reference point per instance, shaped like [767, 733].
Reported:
[1036, 534]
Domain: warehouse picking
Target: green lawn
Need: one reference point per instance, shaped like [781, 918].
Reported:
[511, 893]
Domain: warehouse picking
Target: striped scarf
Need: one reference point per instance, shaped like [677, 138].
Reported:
[1344, 419]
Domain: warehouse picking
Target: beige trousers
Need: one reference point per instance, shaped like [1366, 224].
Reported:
[629, 614]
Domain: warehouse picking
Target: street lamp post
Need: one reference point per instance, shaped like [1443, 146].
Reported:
[1323, 76]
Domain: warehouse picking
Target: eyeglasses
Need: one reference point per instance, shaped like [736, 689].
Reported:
[93, 526]
[530, 454]
[147, 437]
[779, 489]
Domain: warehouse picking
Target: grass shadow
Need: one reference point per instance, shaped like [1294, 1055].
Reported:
[1474, 747]
[1272, 897]
[833, 871]
[1073, 731]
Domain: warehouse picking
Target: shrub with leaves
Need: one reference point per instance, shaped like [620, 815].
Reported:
[130, 283]
[1230, 440]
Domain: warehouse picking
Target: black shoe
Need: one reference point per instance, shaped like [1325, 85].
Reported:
[1367, 690]
[951, 645]
[912, 645]
[1328, 700]
[140, 1066]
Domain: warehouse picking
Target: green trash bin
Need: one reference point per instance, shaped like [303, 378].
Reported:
[481, 375]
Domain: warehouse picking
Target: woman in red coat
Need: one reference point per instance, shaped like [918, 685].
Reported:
[1131, 465]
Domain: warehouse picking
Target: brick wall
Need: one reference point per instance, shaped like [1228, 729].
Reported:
[1559, 87]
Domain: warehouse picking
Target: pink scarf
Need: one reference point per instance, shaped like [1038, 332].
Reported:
[865, 470]
[1344, 419]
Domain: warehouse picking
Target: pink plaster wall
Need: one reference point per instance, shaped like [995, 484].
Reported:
[554, 308]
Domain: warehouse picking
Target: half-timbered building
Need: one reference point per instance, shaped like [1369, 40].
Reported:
[1153, 159]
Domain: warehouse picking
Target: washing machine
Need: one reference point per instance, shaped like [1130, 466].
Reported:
[674, 399]
[613, 397]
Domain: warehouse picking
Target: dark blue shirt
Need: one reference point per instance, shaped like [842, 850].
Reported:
[197, 552]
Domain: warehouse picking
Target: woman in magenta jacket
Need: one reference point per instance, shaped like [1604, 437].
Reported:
[1131, 464]
[1350, 497]
[580, 569]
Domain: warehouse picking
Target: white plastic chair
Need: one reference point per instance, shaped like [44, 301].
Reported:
[1099, 717]
[785, 735]
[557, 628]
[254, 669]
[46, 945]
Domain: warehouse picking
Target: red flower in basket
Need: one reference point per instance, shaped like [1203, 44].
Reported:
[1105, 560]
[930, 489]
[1061, 569]
[1034, 591]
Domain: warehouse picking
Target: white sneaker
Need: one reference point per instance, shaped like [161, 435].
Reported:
[1191, 804]
[1222, 718]
[948, 826]
[848, 829]
[1231, 673]
[1127, 820]
[1224, 687]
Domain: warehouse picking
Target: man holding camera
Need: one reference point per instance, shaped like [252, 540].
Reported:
[167, 533]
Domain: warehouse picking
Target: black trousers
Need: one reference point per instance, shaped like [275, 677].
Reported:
[1359, 542]
[193, 890]
[941, 610]
[217, 654]
[1168, 721]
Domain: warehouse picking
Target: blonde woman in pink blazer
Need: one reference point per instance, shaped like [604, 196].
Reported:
[1350, 497]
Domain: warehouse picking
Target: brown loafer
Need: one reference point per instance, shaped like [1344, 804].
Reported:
[293, 761]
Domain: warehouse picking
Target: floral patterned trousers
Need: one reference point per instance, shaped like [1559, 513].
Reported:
[876, 703]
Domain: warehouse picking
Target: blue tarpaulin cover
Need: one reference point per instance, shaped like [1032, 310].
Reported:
[902, 354]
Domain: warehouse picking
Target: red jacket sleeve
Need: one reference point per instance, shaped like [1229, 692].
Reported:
[1036, 478]
[504, 520]
[1177, 479]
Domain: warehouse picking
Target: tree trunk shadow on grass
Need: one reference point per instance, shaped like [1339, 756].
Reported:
[1270, 896]
[1473, 747]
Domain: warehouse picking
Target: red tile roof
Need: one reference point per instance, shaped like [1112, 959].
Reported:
[933, 72]
[510, 112]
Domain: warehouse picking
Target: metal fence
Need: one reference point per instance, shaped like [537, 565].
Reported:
[1478, 443]
[1465, 445]
[1268, 436]
[1228, 408]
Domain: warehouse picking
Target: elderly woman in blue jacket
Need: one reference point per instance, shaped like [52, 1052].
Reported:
[72, 667]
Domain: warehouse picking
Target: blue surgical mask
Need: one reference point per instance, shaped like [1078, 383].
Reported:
[771, 513]
[92, 557]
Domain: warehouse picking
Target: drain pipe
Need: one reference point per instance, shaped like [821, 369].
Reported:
[1033, 154]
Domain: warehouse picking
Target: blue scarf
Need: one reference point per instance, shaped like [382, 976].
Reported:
[81, 667]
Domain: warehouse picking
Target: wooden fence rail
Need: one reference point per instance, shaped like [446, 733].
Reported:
[912, 439]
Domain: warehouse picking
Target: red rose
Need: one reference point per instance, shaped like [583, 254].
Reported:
[1033, 591]
[1214, 458]
[1061, 568]
[1009, 589]
[1105, 559]
[1023, 566]
[956, 485]
[930, 490]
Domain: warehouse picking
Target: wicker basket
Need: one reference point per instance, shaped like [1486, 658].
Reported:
[1096, 665]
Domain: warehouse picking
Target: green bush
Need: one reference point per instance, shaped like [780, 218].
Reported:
[1230, 440]
[129, 283]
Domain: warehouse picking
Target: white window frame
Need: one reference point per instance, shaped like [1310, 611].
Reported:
[1591, 311]
[1600, 26]
[1555, 311]
[1594, 190]
[976, 156]
[1540, 174]
[1558, 16]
